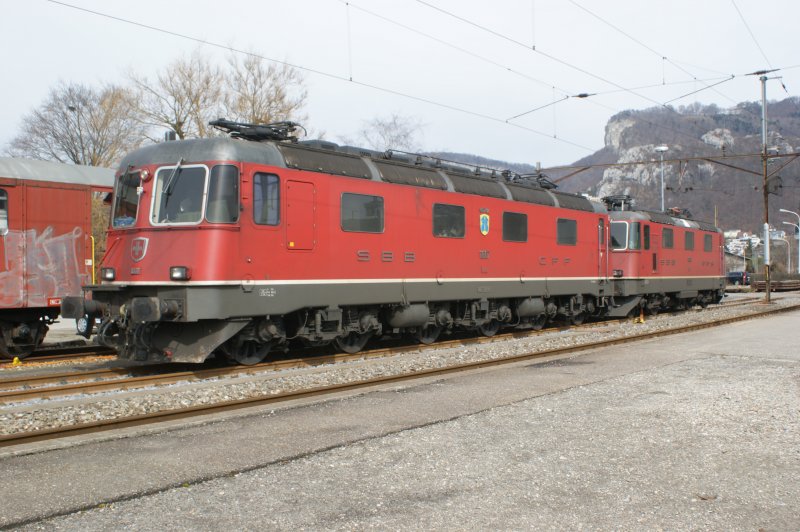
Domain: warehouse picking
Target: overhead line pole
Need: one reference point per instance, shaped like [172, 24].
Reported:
[763, 78]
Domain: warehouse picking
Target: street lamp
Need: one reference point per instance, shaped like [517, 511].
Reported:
[798, 234]
[788, 253]
[661, 150]
[797, 231]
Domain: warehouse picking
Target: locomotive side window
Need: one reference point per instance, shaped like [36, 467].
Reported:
[266, 199]
[126, 201]
[448, 221]
[667, 238]
[178, 195]
[515, 227]
[566, 232]
[707, 244]
[634, 236]
[688, 243]
[361, 213]
[619, 235]
[646, 237]
[3, 212]
[223, 194]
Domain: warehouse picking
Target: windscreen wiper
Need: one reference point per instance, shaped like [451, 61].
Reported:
[171, 181]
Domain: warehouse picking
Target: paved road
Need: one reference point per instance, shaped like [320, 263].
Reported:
[700, 431]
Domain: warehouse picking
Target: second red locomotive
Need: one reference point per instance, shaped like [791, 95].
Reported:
[237, 245]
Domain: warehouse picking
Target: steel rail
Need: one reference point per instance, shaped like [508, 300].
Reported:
[227, 406]
[52, 385]
[55, 385]
[63, 353]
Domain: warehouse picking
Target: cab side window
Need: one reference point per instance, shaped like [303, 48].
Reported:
[707, 243]
[266, 199]
[634, 236]
[223, 194]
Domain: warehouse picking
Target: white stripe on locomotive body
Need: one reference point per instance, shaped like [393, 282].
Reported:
[424, 280]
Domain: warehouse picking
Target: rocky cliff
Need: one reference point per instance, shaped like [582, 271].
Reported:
[729, 182]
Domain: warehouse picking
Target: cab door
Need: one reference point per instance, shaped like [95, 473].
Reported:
[300, 216]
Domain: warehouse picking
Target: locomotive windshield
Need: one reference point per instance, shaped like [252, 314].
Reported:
[626, 235]
[619, 235]
[126, 200]
[178, 195]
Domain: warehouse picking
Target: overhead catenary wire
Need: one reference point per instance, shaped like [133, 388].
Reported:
[507, 68]
[389, 90]
[549, 56]
[325, 74]
[665, 58]
[535, 50]
[752, 35]
[564, 91]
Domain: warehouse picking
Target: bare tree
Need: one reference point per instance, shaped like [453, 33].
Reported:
[97, 127]
[392, 132]
[81, 125]
[261, 93]
[184, 97]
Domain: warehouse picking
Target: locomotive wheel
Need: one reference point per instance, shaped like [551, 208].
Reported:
[489, 328]
[578, 319]
[249, 353]
[538, 322]
[353, 342]
[428, 334]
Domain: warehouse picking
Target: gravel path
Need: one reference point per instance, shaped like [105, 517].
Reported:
[43, 414]
[707, 442]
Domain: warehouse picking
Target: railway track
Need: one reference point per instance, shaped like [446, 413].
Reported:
[33, 387]
[75, 351]
[51, 385]
[63, 352]
[192, 411]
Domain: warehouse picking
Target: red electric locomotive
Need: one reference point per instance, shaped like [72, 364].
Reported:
[46, 250]
[237, 245]
[671, 262]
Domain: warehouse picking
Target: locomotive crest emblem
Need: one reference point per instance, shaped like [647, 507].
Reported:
[138, 248]
[484, 224]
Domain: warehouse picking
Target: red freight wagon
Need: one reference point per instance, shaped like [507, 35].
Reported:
[46, 249]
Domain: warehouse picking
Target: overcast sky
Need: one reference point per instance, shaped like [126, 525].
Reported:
[461, 68]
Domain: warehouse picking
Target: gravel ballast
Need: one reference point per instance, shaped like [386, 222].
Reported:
[58, 412]
[698, 432]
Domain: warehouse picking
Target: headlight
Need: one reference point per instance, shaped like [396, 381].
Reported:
[108, 274]
[179, 273]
